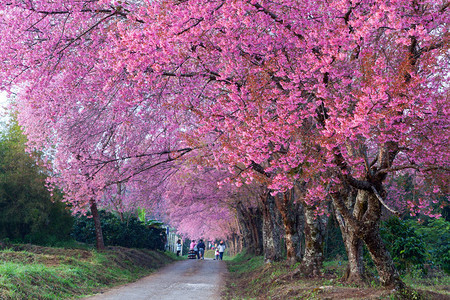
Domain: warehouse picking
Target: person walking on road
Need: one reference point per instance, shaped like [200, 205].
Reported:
[201, 249]
[217, 254]
[192, 253]
[221, 248]
[196, 251]
[179, 247]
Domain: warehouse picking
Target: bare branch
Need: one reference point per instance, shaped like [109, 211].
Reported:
[87, 31]
[258, 168]
[192, 26]
[275, 18]
[413, 166]
[384, 203]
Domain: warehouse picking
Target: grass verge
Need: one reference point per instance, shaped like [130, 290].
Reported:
[34, 272]
[250, 278]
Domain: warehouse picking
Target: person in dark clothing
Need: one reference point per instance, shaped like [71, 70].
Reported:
[201, 249]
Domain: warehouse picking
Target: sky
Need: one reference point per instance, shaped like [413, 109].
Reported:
[3, 110]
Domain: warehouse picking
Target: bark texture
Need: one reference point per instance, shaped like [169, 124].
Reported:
[250, 222]
[315, 227]
[100, 244]
[367, 229]
[370, 234]
[271, 229]
[353, 244]
[291, 212]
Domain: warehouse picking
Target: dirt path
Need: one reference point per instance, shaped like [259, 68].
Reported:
[188, 279]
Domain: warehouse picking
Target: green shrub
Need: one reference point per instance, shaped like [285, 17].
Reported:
[405, 245]
[334, 247]
[28, 212]
[131, 233]
[436, 235]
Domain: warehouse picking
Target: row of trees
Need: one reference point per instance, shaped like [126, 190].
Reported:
[289, 106]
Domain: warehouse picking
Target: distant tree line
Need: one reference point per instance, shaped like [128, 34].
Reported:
[29, 213]
[131, 233]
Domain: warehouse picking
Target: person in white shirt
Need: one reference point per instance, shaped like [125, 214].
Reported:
[179, 247]
[221, 248]
[217, 254]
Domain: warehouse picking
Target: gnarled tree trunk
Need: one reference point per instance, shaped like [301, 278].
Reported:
[370, 234]
[367, 229]
[353, 244]
[290, 210]
[314, 239]
[365, 224]
[250, 222]
[271, 229]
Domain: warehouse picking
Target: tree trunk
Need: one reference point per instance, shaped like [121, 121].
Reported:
[314, 238]
[353, 244]
[234, 244]
[244, 227]
[98, 227]
[250, 222]
[270, 229]
[387, 272]
[370, 234]
[257, 225]
[289, 211]
[367, 229]
[354, 248]
[300, 231]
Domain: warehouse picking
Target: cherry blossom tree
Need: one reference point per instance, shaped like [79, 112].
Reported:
[366, 80]
[107, 134]
[339, 97]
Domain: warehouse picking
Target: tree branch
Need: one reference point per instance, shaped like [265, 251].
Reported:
[413, 166]
[258, 168]
[382, 202]
[345, 172]
[274, 17]
[86, 32]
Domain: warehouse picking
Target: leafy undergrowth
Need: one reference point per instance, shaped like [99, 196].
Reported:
[34, 272]
[250, 278]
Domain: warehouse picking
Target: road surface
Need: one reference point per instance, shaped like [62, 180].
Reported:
[187, 279]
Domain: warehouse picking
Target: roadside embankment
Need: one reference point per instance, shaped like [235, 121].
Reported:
[250, 278]
[34, 272]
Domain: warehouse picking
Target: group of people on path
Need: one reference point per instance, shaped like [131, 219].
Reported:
[220, 249]
[199, 249]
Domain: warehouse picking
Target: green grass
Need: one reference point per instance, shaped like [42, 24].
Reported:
[437, 284]
[175, 257]
[243, 263]
[250, 278]
[28, 275]
[210, 254]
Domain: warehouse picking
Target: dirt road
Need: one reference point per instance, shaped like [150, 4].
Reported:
[188, 279]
